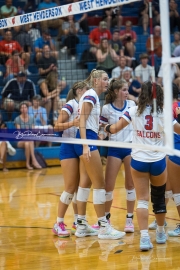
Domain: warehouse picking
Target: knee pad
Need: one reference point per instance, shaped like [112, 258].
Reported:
[83, 194]
[130, 195]
[74, 199]
[176, 198]
[142, 204]
[168, 194]
[99, 196]
[158, 199]
[66, 197]
[109, 196]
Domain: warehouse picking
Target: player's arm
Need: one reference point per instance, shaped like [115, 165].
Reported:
[62, 122]
[114, 128]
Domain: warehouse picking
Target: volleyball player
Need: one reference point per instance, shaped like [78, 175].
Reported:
[91, 162]
[147, 164]
[116, 104]
[173, 164]
[68, 121]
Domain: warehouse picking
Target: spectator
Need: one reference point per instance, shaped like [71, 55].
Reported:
[13, 66]
[8, 10]
[144, 72]
[97, 34]
[82, 20]
[17, 90]
[144, 16]
[157, 42]
[50, 89]
[113, 17]
[21, 35]
[128, 38]
[70, 28]
[117, 72]
[175, 75]
[134, 86]
[23, 121]
[45, 40]
[176, 42]
[106, 56]
[33, 31]
[55, 23]
[174, 16]
[116, 43]
[7, 46]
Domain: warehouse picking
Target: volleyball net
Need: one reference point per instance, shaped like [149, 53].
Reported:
[72, 73]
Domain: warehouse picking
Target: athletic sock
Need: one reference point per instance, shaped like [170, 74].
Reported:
[129, 215]
[75, 218]
[144, 233]
[82, 217]
[160, 229]
[59, 220]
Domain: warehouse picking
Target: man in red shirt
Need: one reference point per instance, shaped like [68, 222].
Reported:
[128, 38]
[97, 34]
[7, 46]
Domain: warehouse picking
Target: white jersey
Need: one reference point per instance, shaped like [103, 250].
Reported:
[71, 107]
[93, 120]
[110, 115]
[146, 130]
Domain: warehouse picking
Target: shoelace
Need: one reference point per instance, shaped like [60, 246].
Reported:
[62, 226]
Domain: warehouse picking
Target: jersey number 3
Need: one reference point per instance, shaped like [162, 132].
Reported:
[149, 123]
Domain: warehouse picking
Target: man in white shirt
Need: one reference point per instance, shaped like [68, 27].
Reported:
[117, 72]
[175, 75]
[144, 72]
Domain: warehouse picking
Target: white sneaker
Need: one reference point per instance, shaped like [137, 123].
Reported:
[153, 225]
[129, 227]
[11, 150]
[84, 229]
[64, 50]
[73, 58]
[107, 232]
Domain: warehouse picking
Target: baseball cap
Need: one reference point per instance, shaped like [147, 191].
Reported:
[103, 24]
[21, 74]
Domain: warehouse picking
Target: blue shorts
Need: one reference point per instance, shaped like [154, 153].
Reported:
[120, 153]
[175, 159]
[91, 135]
[67, 151]
[154, 168]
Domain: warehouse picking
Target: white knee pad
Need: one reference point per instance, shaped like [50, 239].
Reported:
[130, 195]
[74, 200]
[109, 196]
[142, 204]
[168, 194]
[99, 196]
[176, 198]
[83, 194]
[66, 197]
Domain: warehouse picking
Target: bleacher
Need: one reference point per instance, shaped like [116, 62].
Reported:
[71, 71]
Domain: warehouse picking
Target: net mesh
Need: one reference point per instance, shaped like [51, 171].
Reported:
[74, 58]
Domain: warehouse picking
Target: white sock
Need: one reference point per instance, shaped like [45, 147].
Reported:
[129, 215]
[107, 213]
[102, 219]
[59, 220]
[144, 233]
[75, 218]
[82, 217]
[160, 228]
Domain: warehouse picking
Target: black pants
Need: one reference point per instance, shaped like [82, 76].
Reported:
[70, 42]
[174, 21]
[84, 26]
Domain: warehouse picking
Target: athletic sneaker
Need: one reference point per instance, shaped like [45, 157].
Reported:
[73, 228]
[106, 231]
[129, 227]
[175, 232]
[153, 225]
[161, 237]
[145, 243]
[60, 230]
[97, 227]
[84, 229]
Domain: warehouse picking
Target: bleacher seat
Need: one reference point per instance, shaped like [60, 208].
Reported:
[34, 78]
[64, 92]
[33, 69]
[91, 65]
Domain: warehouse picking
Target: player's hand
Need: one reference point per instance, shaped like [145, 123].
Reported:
[86, 152]
[76, 121]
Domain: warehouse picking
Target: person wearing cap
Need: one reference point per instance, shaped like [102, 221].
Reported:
[128, 38]
[17, 90]
[97, 34]
[46, 39]
[144, 72]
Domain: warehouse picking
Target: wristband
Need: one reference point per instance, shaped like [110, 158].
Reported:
[108, 128]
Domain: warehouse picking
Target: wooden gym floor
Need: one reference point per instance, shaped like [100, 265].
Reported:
[28, 209]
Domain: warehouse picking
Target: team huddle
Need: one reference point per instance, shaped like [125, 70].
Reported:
[120, 120]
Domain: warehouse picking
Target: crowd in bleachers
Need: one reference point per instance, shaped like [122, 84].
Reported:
[114, 39]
